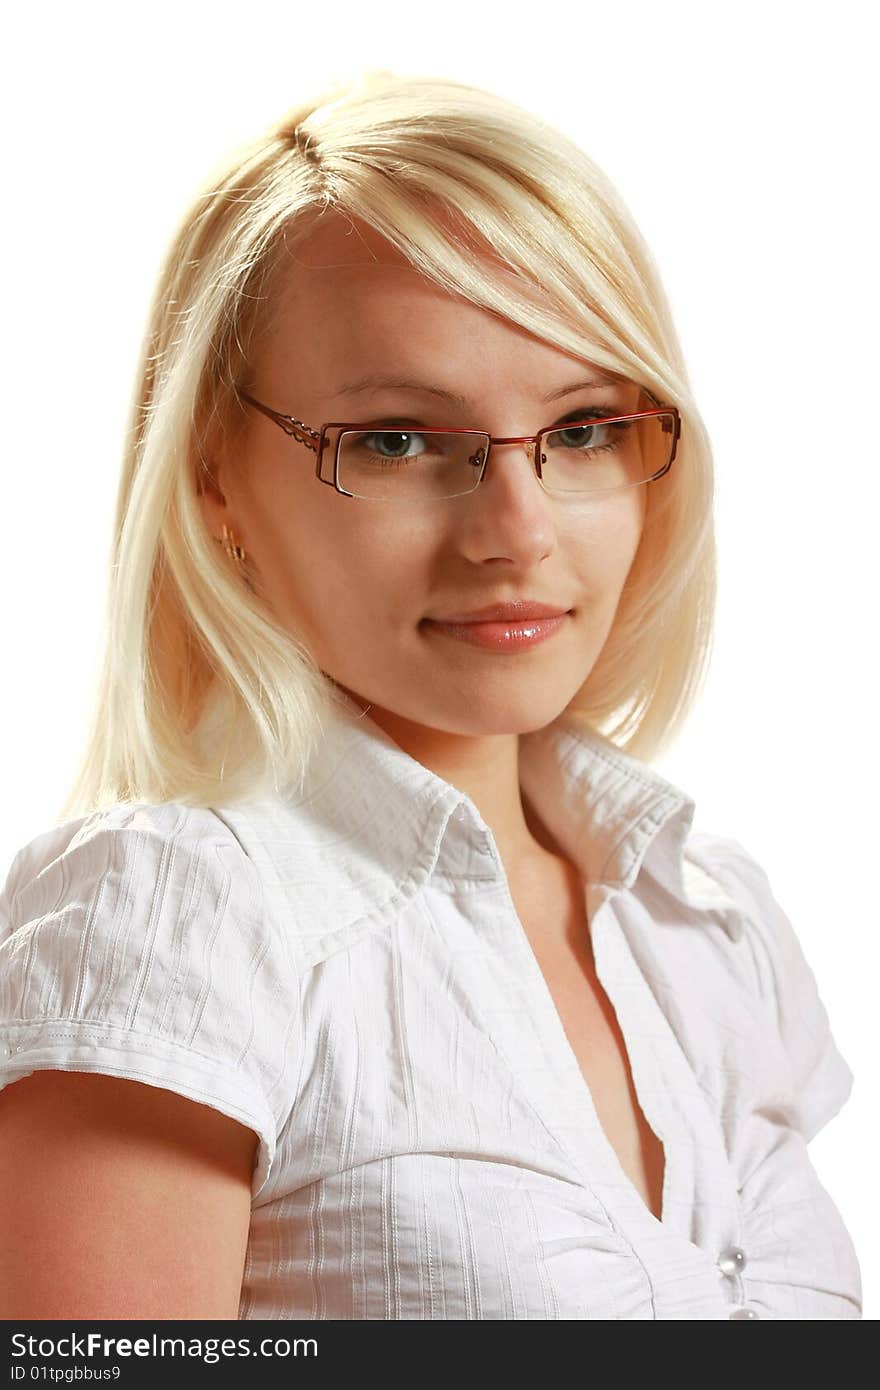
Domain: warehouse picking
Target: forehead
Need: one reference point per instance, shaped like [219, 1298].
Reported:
[333, 240]
[347, 299]
[348, 271]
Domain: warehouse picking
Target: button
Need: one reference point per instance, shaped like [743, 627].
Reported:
[744, 1313]
[732, 1260]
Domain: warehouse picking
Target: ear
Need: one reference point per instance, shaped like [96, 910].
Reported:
[211, 499]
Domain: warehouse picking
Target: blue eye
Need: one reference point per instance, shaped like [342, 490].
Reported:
[392, 440]
[587, 437]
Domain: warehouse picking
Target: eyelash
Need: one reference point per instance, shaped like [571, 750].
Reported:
[594, 412]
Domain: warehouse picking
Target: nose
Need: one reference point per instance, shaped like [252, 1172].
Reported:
[509, 514]
[505, 462]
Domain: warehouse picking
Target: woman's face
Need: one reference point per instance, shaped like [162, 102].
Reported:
[356, 580]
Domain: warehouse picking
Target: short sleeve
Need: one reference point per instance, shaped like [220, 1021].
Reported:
[820, 1079]
[136, 942]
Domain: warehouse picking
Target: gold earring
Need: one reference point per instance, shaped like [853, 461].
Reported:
[233, 549]
[237, 553]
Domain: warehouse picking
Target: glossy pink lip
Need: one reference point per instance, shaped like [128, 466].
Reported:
[517, 610]
[504, 636]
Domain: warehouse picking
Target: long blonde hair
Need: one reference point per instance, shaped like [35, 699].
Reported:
[202, 696]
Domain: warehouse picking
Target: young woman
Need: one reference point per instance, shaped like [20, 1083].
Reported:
[372, 971]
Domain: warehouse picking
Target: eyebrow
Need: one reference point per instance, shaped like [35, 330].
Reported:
[376, 380]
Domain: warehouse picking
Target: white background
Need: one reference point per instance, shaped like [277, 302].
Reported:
[743, 138]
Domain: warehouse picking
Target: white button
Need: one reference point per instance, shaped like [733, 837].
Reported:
[744, 1313]
[732, 1260]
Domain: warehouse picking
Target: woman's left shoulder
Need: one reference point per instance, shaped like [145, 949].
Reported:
[782, 979]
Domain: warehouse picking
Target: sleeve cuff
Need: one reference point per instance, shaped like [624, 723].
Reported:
[66, 1044]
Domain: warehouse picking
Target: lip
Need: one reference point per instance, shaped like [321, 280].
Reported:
[516, 610]
[503, 636]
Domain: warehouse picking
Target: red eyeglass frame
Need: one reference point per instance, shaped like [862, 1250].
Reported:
[316, 440]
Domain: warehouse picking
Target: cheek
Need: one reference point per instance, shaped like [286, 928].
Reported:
[607, 538]
[337, 575]
[632, 525]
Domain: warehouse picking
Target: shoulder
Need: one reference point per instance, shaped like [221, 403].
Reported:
[756, 918]
[124, 894]
[130, 850]
[778, 976]
[137, 941]
[727, 862]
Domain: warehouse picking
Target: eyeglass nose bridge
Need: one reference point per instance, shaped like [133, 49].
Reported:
[480, 458]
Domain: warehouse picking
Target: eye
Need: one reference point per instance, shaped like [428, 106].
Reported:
[389, 444]
[574, 435]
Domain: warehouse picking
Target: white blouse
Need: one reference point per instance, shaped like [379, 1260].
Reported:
[345, 973]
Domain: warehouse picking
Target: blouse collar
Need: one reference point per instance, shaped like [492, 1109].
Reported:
[375, 823]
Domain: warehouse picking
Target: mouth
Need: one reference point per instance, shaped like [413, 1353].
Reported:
[514, 610]
[500, 635]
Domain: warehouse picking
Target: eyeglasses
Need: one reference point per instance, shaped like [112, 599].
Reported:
[596, 453]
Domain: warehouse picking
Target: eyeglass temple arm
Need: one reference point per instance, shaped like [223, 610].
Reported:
[311, 438]
[300, 431]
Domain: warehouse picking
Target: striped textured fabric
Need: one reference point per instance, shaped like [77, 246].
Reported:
[347, 975]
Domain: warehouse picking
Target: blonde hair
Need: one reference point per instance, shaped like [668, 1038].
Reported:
[202, 696]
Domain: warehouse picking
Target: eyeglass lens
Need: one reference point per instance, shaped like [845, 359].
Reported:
[586, 457]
